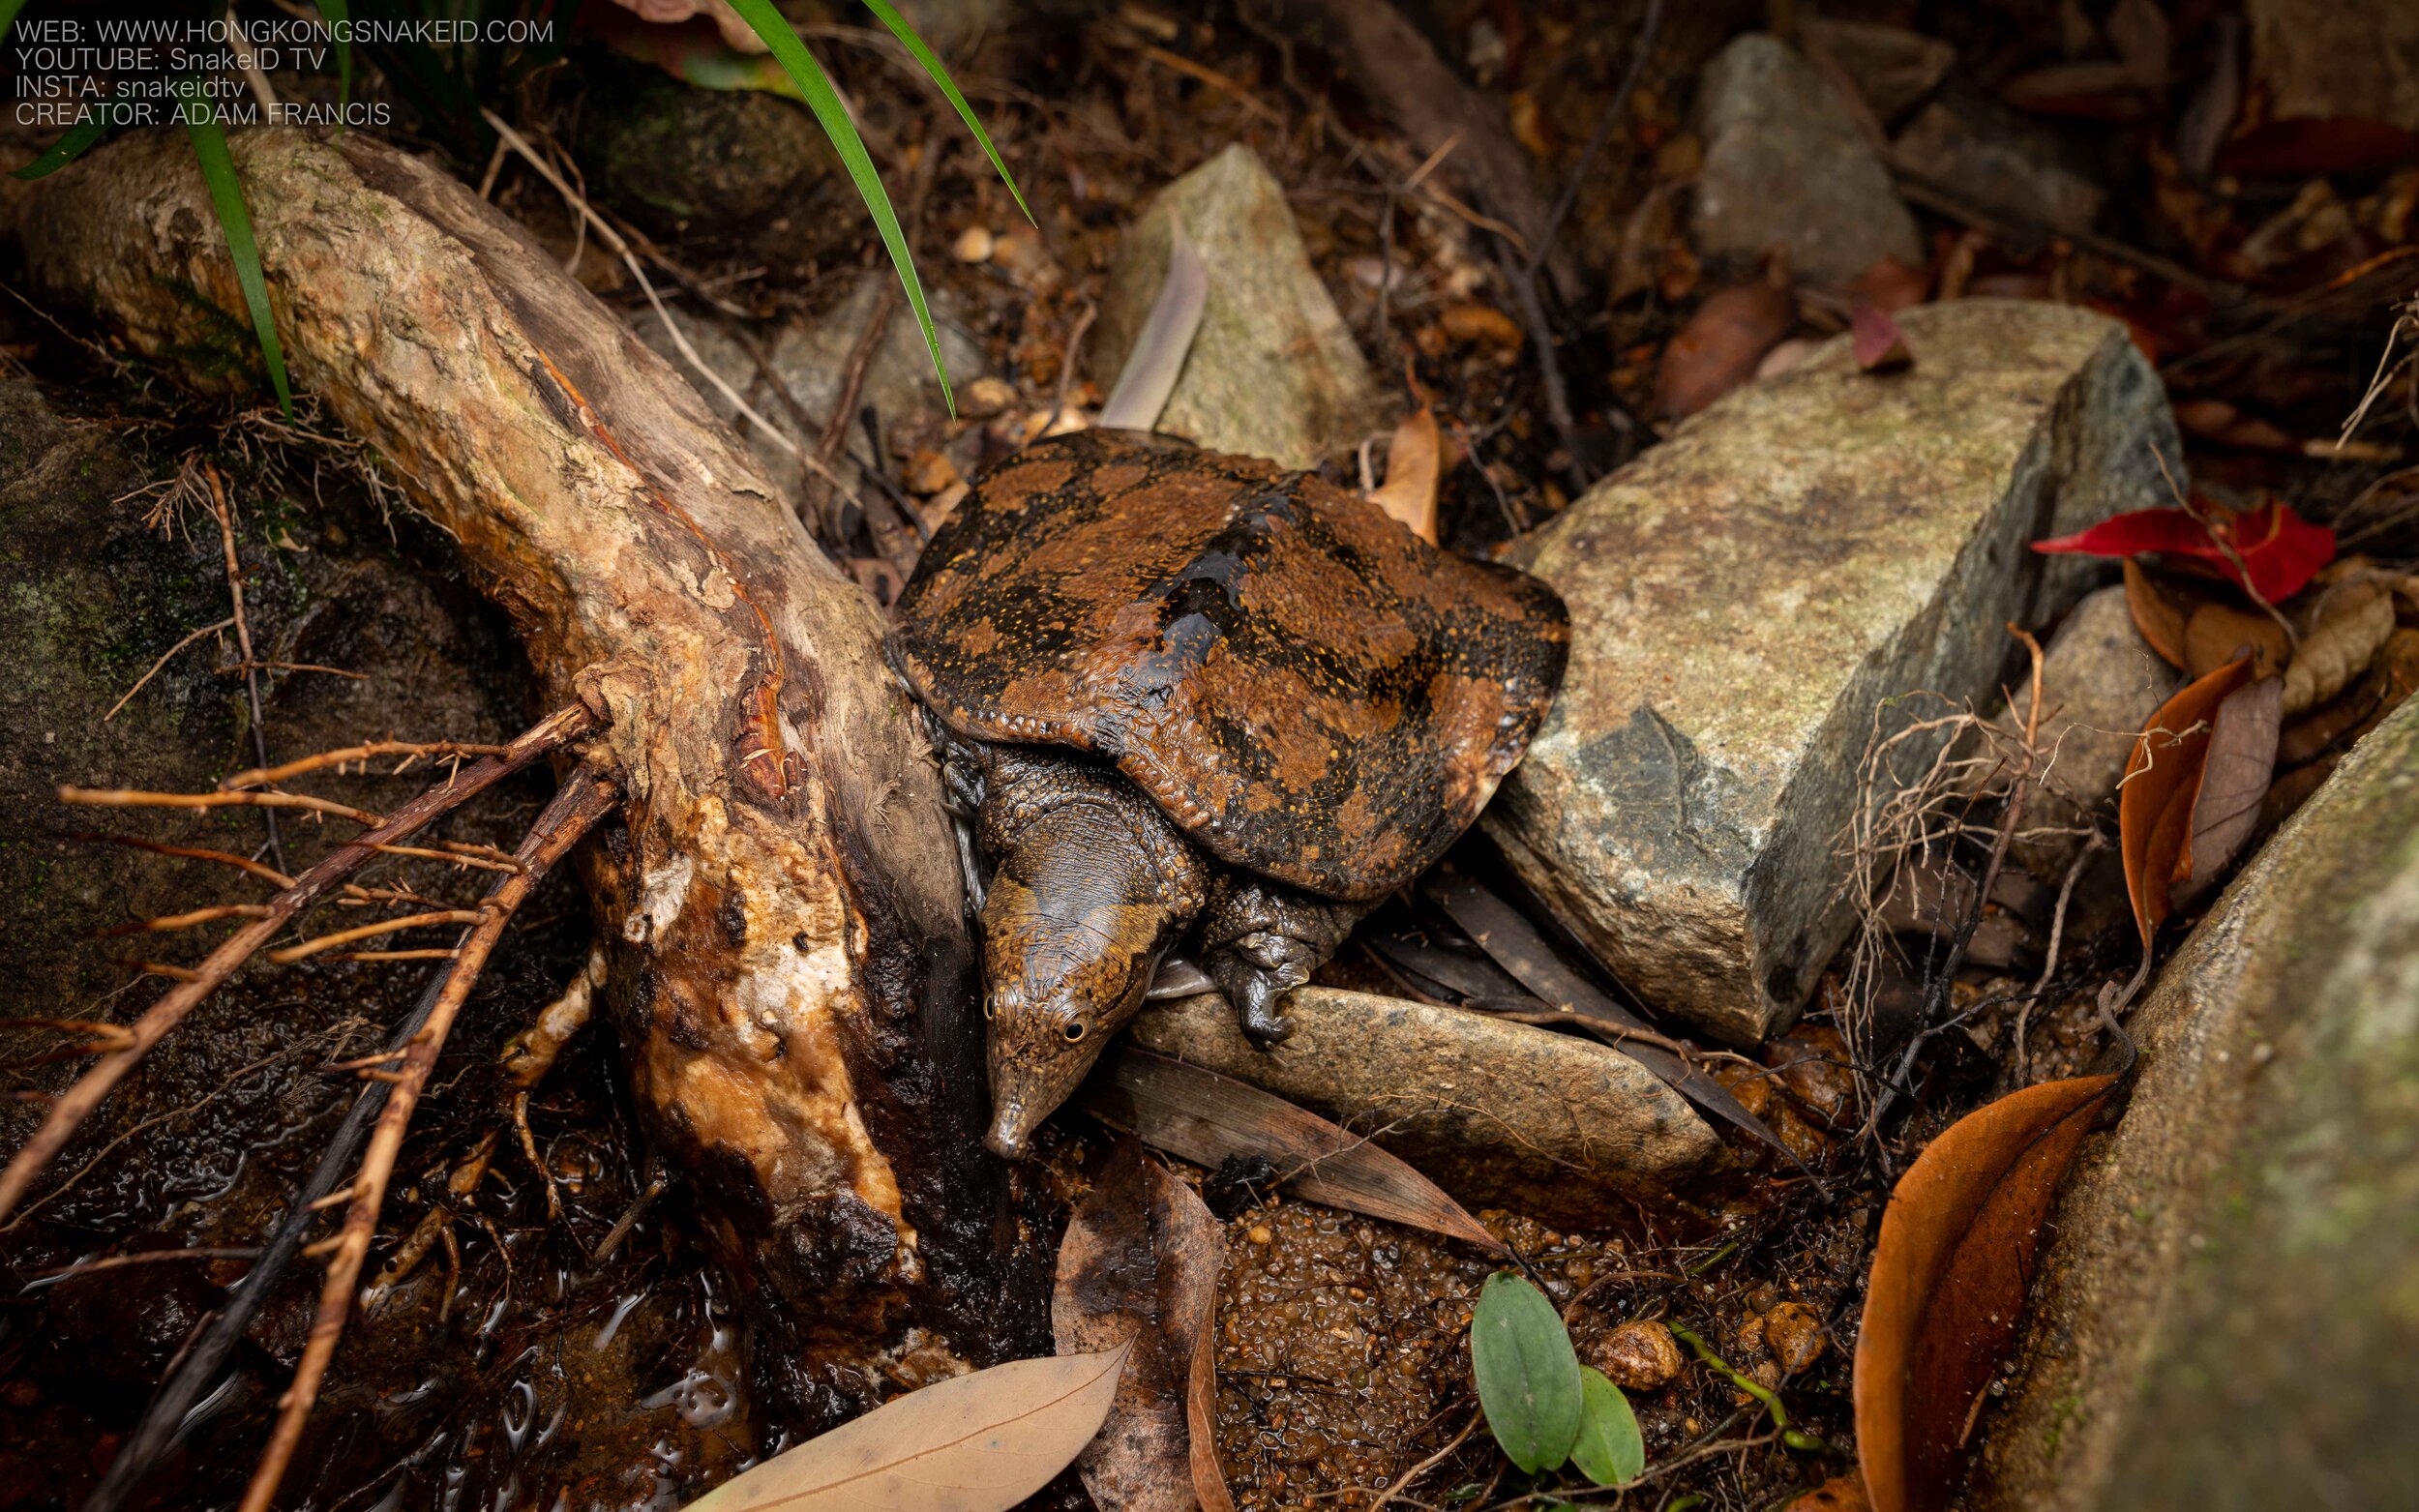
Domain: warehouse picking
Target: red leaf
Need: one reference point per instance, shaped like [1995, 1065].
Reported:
[2281, 550]
[1946, 1294]
[1880, 345]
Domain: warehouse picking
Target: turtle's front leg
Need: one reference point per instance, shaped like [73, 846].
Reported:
[1260, 940]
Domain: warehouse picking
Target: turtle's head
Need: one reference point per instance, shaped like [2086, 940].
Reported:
[1078, 915]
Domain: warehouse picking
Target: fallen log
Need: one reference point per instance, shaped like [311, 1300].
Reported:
[790, 970]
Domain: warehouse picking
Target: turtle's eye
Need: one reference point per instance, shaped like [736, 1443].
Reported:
[1073, 1031]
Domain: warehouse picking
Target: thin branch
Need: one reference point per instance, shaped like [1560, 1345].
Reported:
[415, 921]
[138, 798]
[583, 800]
[245, 863]
[169, 923]
[165, 657]
[79, 1101]
[226, 517]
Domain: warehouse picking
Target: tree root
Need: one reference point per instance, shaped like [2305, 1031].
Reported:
[791, 977]
[79, 1101]
[583, 800]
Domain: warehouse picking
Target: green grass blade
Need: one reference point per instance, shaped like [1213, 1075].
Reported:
[66, 149]
[227, 197]
[825, 101]
[889, 16]
[332, 14]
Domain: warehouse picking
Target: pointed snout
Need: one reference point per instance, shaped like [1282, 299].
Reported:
[1011, 1130]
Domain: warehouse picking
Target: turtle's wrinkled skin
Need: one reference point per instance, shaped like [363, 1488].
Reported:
[1194, 695]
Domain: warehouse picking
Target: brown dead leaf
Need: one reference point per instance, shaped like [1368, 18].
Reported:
[2162, 781]
[1946, 1294]
[1140, 1262]
[2199, 624]
[1481, 325]
[2217, 631]
[2155, 614]
[2234, 778]
[2345, 629]
[1411, 467]
[1203, 1118]
[976, 1443]
[1720, 345]
[2335, 725]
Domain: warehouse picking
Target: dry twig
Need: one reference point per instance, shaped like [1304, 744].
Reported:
[583, 799]
[79, 1101]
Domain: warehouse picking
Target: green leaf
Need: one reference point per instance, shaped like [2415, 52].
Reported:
[889, 16]
[66, 148]
[227, 197]
[1528, 1373]
[825, 101]
[1610, 1451]
[8, 16]
[332, 14]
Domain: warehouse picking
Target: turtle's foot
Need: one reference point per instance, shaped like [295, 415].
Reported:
[1254, 972]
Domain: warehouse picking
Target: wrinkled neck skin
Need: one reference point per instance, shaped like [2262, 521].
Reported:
[1092, 887]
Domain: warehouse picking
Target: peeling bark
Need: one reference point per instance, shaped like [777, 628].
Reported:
[792, 973]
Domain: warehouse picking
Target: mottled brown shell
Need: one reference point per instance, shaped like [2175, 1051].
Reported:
[1309, 689]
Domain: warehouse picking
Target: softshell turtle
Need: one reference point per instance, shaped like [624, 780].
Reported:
[1194, 698]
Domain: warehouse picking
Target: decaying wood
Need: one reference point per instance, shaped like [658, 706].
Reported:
[792, 973]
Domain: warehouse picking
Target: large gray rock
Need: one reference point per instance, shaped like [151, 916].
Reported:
[2344, 57]
[1748, 598]
[1786, 166]
[1497, 1113]
[2230, 1314]
[1273, 372]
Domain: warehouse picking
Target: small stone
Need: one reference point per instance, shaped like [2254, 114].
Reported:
[714, 163]
[1786, 166]
[1261, 1235]
[928, 471]
[1638, 1355]
[985, 398]
[1794, 1332]
[973, 244]
[2100, 680]
[810, 355]
[1273, 372]
[1998, 162]
[1021, 255]
[1746, 597]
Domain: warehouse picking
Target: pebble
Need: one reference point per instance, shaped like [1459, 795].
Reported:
[1794, 1332]
[1260, 1235]
[1638, 1355]
[975, 244]
[928, 471]
[986, 396]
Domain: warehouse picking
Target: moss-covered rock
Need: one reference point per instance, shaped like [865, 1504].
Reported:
[2229, 1318]
[681, 161]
